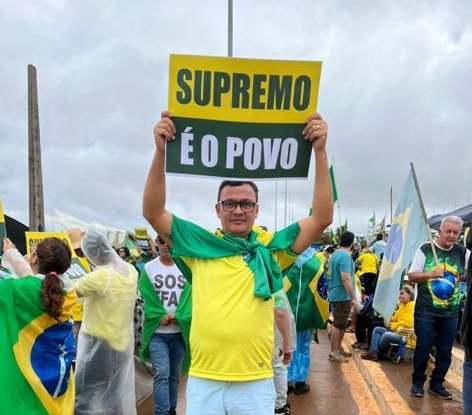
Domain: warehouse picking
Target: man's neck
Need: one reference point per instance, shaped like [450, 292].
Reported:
[444, 248]
[168, 262]
[236, 236]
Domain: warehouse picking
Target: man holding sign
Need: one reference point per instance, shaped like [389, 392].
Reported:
[234, 274]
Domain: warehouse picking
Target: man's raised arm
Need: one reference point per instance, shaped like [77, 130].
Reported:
[322, 206]
[154, 198]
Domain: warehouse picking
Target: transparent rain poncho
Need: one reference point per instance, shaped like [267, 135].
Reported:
[105, 362]
[18, 267]
[16, 263]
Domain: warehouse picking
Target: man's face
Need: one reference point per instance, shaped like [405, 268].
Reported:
[448, 234]
[163, 249]
[239, 222]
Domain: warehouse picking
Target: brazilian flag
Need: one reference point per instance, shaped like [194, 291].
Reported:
[36, 351]
[306, 287]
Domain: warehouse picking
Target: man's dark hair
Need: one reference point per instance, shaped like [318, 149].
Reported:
[380, 236]
[346, 239]
[232, 183]
[329, 249]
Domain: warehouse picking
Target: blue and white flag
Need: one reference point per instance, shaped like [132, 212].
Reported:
[407, 233]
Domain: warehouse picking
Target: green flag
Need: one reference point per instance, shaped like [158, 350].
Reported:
[154, 311]
[36, 374]
[333, 184]
[372, 220]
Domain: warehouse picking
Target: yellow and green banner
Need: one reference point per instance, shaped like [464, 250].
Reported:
[240, 118]
[142, 240]
[78, 267]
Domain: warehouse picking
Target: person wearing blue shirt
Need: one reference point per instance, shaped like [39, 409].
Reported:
[341, 295]
[378, 247]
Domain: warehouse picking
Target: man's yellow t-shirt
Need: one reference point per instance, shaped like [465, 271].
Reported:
[232, 331]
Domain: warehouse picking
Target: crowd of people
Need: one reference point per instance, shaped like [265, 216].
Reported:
[232, 308]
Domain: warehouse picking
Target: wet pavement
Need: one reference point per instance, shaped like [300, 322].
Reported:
[390, 383]
[356, 387]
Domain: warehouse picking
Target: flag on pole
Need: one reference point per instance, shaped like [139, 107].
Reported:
[382, 224]
[372, 220]
[407, 233]
[333, 184]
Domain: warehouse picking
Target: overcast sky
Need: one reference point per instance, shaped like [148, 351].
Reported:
[395, 87]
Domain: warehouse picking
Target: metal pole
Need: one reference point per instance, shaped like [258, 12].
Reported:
[289, 207]
[285, 210]
[275, 210]
[230, 28]
[339, 216]
[36, 205]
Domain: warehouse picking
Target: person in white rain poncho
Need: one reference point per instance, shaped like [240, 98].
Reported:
[105, 363]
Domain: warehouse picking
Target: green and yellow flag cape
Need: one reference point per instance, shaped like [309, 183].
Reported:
[154, 311]
[36, 351]
[306, 287]
[200, 243]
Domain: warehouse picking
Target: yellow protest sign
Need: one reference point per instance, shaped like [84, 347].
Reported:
[240, 118]
[244, 90]
[142, 240]
[79, 266]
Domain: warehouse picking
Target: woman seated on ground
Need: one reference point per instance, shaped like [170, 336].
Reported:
[402, 319]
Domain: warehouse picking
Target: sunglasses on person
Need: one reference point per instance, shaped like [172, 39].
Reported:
[161, 241]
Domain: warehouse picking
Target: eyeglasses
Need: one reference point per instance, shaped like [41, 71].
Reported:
[231, 205]
[161, 241]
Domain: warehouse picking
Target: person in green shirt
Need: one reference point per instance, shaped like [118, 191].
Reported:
[436, 269]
